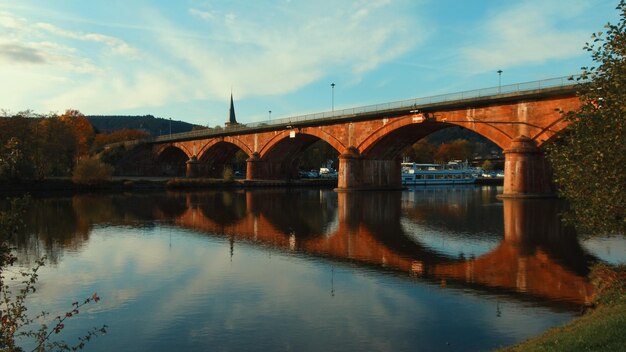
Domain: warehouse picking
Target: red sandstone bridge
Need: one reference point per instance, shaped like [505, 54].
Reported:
[520, 118]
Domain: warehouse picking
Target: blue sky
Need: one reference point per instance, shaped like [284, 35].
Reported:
[180, 59]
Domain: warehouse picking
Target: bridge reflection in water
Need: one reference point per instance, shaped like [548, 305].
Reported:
[536, 256]
[522, 248]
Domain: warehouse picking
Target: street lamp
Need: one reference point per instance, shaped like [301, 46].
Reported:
[332, 86]
[499, 80]
[270, 112]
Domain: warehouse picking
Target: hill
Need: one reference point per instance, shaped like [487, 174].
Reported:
[156, 126]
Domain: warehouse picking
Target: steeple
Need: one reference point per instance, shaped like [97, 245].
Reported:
[231, 116]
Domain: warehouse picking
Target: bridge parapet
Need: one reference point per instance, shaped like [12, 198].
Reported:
[559, 84]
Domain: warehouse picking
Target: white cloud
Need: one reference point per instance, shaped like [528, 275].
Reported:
[117, 46]
[288, 47]
[205, 15]
[530, 32]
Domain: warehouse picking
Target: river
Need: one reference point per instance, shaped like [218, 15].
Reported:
[428, 269]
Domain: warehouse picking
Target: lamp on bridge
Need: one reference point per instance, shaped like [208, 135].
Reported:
[499, 80]
[332, 86]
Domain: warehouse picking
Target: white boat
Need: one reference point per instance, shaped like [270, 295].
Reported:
[452, 173]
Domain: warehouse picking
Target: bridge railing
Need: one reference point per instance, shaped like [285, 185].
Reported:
[414, 103]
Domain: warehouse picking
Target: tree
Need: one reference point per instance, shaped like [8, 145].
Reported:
[460, 149]
[421, 152]
[83, 130]
[487, 166]
[54, 147]
[588, 159]
[122, 135]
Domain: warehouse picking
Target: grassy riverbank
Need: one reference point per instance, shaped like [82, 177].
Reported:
[602, 328]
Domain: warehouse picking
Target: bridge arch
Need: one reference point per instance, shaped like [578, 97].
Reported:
[229, 140]
[218, 154]
[391, 139]
[279, 158]
[180, 146]
[282, 136]
[171, 161]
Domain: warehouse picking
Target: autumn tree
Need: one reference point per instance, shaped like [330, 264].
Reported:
[421, 152]
[459, 149]
[588, 160]
[54, 147]
[83, 130]
[15, 146]
[123, 135]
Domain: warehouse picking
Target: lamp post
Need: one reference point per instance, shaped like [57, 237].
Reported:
[499, 80]
[270, 113]
[332, 86]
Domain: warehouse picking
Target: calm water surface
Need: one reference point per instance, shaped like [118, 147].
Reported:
[426, 269]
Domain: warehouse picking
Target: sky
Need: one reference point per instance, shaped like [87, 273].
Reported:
[182, 59]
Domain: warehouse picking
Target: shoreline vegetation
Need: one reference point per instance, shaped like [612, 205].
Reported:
[600, 328]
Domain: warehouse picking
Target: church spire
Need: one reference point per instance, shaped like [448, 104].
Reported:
[232, 120]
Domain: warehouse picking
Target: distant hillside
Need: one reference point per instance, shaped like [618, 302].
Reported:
[156, 126]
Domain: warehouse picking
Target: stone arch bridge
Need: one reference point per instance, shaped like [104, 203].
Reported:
[519, 118]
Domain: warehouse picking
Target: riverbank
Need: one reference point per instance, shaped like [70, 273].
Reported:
[161, 183]
[600, 329]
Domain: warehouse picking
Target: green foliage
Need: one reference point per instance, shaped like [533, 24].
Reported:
[588, 160]
[91, 171]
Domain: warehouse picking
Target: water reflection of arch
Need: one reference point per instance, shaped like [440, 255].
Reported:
[443, 218]
[369, 232]
[222, 207]
[305, 212]
[537, 256]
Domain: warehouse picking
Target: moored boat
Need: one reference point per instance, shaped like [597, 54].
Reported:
[452, 173]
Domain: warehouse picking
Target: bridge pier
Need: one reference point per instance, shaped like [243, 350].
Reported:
[193, 167]
[526, 172]
[357, 173]
[255, 168]
[259, 169]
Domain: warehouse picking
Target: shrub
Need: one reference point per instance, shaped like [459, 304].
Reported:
[91, 171]
[228, 174]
